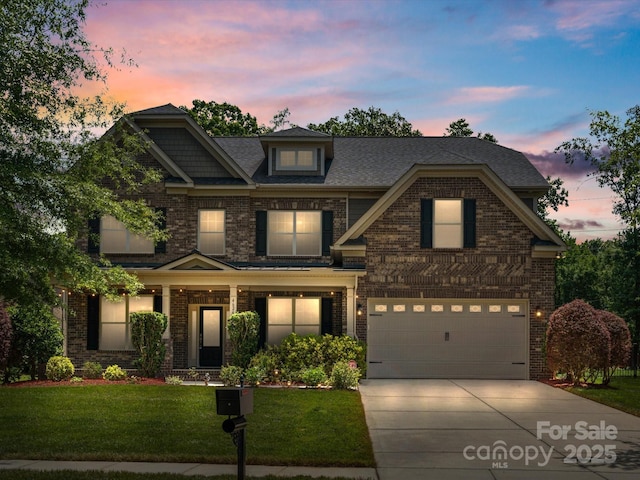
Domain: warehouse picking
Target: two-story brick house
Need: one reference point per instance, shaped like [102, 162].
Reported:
[427, 248]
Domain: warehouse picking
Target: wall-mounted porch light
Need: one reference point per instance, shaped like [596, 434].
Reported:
[359, 309]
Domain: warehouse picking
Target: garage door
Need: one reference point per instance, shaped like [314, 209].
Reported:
[447, 339]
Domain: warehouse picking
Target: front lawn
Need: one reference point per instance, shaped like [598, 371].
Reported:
[622, 393]
[180, 424]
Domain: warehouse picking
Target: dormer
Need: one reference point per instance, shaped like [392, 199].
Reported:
[297, 152]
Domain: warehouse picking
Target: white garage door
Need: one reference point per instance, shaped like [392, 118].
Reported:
[409, 338]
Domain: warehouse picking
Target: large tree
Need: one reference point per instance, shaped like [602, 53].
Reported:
[371, 122]
[460, 128]
[613, 150]
[224, 119]
[51, 162]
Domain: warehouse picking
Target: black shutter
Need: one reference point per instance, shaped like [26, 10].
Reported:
[469, 212]
[261, 310]
[261, 233]
[161, 247]
[94, 235]
[327, 231]
[157, 303]
[426, 223]
[93, 322]
[326, 316]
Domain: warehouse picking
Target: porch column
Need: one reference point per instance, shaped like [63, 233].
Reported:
[351, 312]
[166, 309]
[233, 299]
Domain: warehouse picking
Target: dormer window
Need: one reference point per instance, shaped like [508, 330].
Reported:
[296, 159]
[291, 160]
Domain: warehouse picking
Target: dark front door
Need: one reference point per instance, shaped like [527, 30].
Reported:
[210, 337]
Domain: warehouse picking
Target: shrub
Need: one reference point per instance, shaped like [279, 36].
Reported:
[343, 348]
[344, 377]
[314, 377]
[114, 373]
[59, 368]
[5, 335]
[146, 334]
[172, 380]
[36, 337]
[92, 370]
[231, 375]
[578, 342]
[244, 331]
[254, 375]
[620, 346]
[76, 380]
[267, 362]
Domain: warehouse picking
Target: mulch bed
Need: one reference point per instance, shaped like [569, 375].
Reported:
[86, 381]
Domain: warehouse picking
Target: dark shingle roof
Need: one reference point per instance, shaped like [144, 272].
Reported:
[297, 132]
[381, 161]
[168, 109]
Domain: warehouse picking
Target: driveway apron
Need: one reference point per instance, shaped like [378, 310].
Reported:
[496, 429]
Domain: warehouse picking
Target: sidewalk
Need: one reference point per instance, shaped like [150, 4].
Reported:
[191, 469]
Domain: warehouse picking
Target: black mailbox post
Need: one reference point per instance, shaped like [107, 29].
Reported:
[236, 402]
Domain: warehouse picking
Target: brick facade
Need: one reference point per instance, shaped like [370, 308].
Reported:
[391, 262]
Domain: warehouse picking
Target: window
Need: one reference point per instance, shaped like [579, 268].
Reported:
[211, 232]
[447, 224]
[294, 233]
[287, 315]
[296, 159]
[115, 238]
[115, 329]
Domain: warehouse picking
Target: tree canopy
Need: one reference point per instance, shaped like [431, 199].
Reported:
[51, 162]
[613, 150]
[460, 128]
[371, 122]
[224, 119]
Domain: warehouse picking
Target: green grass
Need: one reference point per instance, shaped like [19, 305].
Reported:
[180, 424]
[622, 393]
[94, 475]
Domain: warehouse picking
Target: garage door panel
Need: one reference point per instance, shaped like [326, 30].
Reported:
[478, 342]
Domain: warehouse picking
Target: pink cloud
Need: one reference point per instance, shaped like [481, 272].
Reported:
[487, 94]
[577, 19]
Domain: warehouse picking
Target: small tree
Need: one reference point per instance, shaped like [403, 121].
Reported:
[36, 338]
[146, 334]
[578, 342]
[244, 331]
[620, 345]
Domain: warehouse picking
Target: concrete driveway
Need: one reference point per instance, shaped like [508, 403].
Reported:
[496, 429]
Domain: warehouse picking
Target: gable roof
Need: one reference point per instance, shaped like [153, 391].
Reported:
[539, 228]
[353, 162]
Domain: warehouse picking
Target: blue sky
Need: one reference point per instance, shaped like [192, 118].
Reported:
[526, 71]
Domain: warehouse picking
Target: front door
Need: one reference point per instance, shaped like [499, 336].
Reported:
[210, 348]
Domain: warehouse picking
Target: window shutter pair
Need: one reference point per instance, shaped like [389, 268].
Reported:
[261, 232]
[94, 233]
[468, 223]
[93, 319]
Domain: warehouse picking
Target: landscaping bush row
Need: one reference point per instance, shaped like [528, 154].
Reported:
[585, 343]
[314, 360]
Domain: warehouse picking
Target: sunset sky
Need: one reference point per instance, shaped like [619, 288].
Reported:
[528, 72]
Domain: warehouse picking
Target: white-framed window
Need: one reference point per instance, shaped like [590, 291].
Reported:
[115, 328]
[447, 223]
[294, 233]
[286, 315]
[115, 238]
[211, 232]
[296, 159]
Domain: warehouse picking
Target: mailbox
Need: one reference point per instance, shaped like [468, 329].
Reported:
[234, 401]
